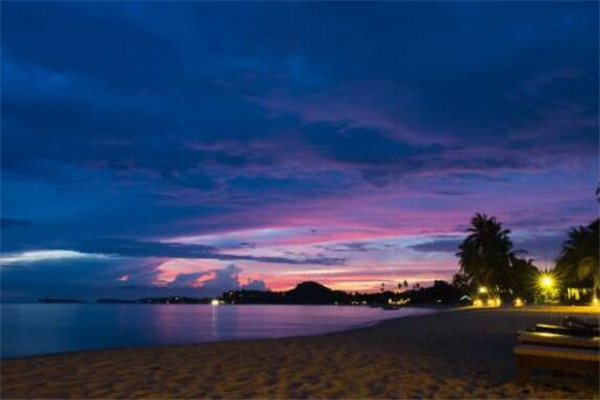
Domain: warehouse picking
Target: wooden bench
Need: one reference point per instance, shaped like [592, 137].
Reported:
[557, 353]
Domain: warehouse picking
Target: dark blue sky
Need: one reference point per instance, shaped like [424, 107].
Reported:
[193, 147]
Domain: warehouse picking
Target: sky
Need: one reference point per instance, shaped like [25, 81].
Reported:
[189, 148]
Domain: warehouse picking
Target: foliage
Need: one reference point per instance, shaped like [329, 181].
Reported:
[523, 277]
[577, 264]
[463, 282]
[487, 258]
[485, 253]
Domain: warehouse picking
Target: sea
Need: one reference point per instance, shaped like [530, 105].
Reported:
[47, 328]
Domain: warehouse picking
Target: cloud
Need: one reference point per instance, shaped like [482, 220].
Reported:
[96, 277]
[423, 114]
[255, 284]
[228, 278]
[441, 245]
[542, 246]
[186, 280]
[363, 247]
[134, 248]
[361, 105]
[539, 246]
[44, 256]
[77, 277]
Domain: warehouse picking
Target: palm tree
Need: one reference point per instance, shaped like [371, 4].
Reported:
[485, 254]
[463, 282]
[523, 277]
[578, 260]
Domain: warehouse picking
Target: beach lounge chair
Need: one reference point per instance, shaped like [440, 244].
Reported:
[557, 352]
[572, 330]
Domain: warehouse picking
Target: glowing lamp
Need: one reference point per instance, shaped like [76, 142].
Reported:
[477, 303]
[214, 302]
[595, 301]
[518, 302]
[483, 290]
[546, 281]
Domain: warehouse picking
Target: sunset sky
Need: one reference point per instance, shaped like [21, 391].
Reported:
[194, 147]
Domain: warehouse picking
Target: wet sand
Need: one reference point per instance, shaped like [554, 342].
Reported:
[456, 354]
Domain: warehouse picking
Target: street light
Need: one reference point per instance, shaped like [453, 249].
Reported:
[547, 281]
[483, 290]
[548, 285]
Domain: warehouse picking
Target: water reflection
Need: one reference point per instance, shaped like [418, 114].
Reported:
[215, 331]
[28, 329]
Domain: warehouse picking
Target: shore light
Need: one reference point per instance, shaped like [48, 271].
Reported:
[595, 301]
[547, 281]
[518, 302]
[483, 290]
[214, 302]
[548, 285]
[477, 303]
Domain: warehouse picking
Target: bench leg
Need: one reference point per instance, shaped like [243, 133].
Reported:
[524, 372]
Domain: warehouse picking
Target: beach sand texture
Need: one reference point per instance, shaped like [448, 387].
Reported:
[458, 354]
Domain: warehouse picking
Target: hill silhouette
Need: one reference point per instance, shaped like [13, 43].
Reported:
[313, 293]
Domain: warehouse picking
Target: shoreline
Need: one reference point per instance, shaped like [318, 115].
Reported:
[439, 355]
[364, 325]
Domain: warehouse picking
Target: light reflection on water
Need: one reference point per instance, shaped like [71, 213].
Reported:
[30, 329]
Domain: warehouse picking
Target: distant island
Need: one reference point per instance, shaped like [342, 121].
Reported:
[305, 293]
[56, 300]
[314, 293]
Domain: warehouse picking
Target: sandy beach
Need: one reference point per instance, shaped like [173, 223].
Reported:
[456, 354]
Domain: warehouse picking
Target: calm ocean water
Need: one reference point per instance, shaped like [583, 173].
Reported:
[30, 329]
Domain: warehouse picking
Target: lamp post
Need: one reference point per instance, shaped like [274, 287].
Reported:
[547, 285]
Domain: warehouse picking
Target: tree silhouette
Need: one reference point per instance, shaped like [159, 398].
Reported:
[485, 254]
[578, 261]
[462, 282]
[523, 277]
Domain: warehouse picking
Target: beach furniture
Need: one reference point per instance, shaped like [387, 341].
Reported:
[556, 352]
[583, 331]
